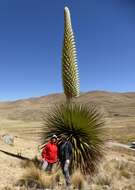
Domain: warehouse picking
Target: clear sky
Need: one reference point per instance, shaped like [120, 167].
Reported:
[31, 36]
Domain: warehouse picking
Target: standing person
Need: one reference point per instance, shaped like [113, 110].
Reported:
[50, 154]
[65, 155]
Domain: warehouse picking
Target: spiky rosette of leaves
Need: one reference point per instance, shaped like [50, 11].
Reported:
[82, 126]
[69, 60]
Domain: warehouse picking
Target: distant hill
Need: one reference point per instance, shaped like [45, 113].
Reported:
[113, 104]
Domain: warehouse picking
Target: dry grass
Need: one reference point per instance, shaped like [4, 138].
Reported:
[116, 173]
[34, 177]
[121, 129]
[19, 128]
[78, 180]
[26, 163]
[14, 188]
[41, 179]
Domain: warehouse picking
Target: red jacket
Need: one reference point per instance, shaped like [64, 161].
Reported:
[50, 153]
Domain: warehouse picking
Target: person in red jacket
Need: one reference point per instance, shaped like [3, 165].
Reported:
[50, 154]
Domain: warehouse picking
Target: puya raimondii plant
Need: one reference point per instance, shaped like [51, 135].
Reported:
[80, 123]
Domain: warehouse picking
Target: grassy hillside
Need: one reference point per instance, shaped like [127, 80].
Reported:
[115, 105]
[22, 116]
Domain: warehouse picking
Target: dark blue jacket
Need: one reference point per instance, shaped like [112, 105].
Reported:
[65, 151]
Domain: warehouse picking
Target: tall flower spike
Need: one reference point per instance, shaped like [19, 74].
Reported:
[69, 60]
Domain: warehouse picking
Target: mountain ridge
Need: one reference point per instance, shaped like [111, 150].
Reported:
[115, 104]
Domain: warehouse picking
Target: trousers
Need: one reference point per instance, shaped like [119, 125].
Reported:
[46, 166]
[65, 170]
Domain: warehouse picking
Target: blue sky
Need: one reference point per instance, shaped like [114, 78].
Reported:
[31, 36]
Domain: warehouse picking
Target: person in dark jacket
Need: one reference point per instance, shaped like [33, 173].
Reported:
[65, 156]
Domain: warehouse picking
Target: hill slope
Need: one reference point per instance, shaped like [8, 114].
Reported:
[114, 104]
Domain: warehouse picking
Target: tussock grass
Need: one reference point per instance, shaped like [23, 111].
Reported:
[78, 180]
[126, 174]
[115, 174]
[7, 188]
[13, 188]
[36, 178]
[103, 179]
